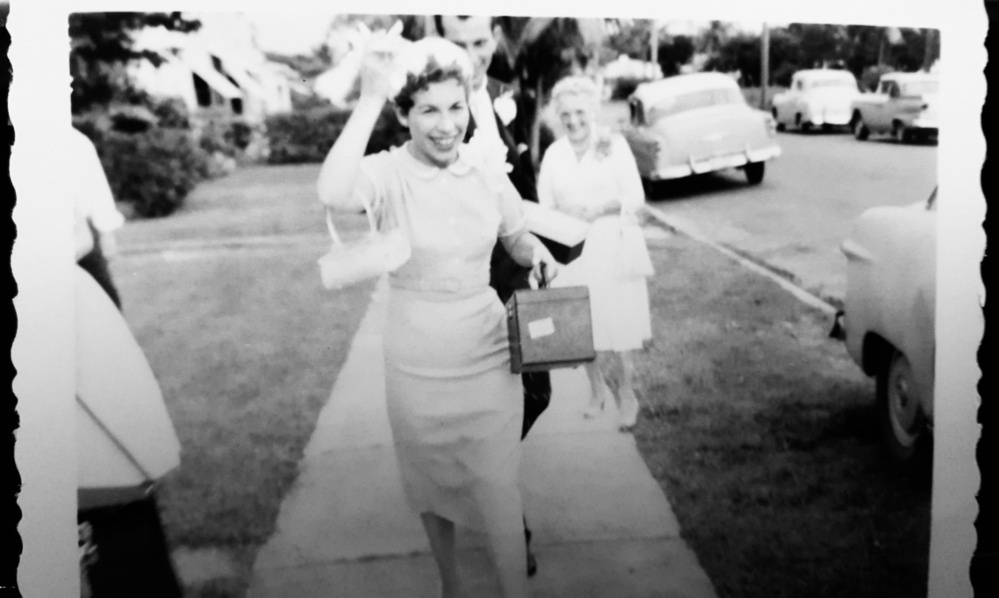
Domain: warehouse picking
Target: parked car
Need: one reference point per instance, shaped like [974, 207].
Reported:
[126, 443]
[904, 105]
[888, 319]
[697, 123]
[816, 98]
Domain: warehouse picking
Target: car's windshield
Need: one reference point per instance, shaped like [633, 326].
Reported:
[831, 83]
[918, 88]
[693, 100]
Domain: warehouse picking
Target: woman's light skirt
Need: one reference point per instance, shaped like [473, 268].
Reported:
[455, 409]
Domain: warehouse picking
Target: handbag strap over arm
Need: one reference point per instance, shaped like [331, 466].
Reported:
[332, 229]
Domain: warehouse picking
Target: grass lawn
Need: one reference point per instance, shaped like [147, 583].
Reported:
[758, 427]
[247, 345]
[762, 433]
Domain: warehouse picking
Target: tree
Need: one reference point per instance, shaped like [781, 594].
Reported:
[629, 37]
[101, 45]
[783, 56]
[714, 37]
[547, 49]
[673, 53]
[865, 48]
[738, 53]
[819, 45]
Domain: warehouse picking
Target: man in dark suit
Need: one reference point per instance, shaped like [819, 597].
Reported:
[493, 109]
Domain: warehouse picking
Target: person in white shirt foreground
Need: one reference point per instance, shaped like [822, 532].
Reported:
[97, 218]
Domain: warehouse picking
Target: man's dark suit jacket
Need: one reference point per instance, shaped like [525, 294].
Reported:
[505, 275]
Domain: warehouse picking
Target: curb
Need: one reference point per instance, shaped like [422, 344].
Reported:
[691, 231]
[241, 242]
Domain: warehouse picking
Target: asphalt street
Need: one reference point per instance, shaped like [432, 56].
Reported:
[795, 220]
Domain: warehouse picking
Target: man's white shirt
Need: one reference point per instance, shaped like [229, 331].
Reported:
[481, 106]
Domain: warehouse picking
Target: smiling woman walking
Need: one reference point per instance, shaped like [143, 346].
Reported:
[454, 406]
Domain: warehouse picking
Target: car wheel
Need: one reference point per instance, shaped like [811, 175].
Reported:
[653, 189]
[900, 133]
[860, 130]
[780, 126]
[903, 424]
[754, 172]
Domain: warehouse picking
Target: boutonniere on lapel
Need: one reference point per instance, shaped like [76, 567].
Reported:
[603, 143]
[505, 107]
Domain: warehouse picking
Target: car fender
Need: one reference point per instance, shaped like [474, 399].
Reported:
[891, 273]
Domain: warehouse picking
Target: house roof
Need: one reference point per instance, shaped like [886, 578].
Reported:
[212, 77]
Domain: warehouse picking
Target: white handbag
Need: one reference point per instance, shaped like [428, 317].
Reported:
[346, 264]
[633, 255]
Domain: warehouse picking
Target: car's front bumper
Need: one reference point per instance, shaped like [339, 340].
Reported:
[830, 117]
[704, 165]
[926, 124]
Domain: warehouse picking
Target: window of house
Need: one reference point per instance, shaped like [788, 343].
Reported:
[202, 92]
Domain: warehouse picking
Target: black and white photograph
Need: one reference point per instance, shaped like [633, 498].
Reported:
[377, 300]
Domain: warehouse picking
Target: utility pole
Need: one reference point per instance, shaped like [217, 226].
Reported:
[654, 44]
[764, 66]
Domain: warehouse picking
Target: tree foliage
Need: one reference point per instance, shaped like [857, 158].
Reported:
[630, 37]
[545, 50]
[101, 45]
[673, 53]
[738, 53]
[861, 49]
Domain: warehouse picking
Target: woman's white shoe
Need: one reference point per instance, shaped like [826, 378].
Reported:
[597, 401]
[629, 410]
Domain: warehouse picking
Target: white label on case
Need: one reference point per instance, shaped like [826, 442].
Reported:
[540, 328]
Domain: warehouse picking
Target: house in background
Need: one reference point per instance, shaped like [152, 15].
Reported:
[217, 71]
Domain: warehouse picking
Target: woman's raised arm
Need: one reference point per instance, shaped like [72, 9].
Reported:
[336, 179]
[379, 68]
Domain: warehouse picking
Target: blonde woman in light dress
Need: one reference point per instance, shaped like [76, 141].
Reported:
[454, 406]
[590, 173]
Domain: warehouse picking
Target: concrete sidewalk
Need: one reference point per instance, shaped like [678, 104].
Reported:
[602, 526]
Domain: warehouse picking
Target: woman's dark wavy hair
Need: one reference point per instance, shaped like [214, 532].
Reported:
[434, 72]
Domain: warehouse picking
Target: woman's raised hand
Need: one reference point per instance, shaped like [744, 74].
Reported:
[382, 70]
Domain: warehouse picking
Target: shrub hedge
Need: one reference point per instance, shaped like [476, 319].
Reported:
[308, 135]
[153, 171]
[154, 167]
